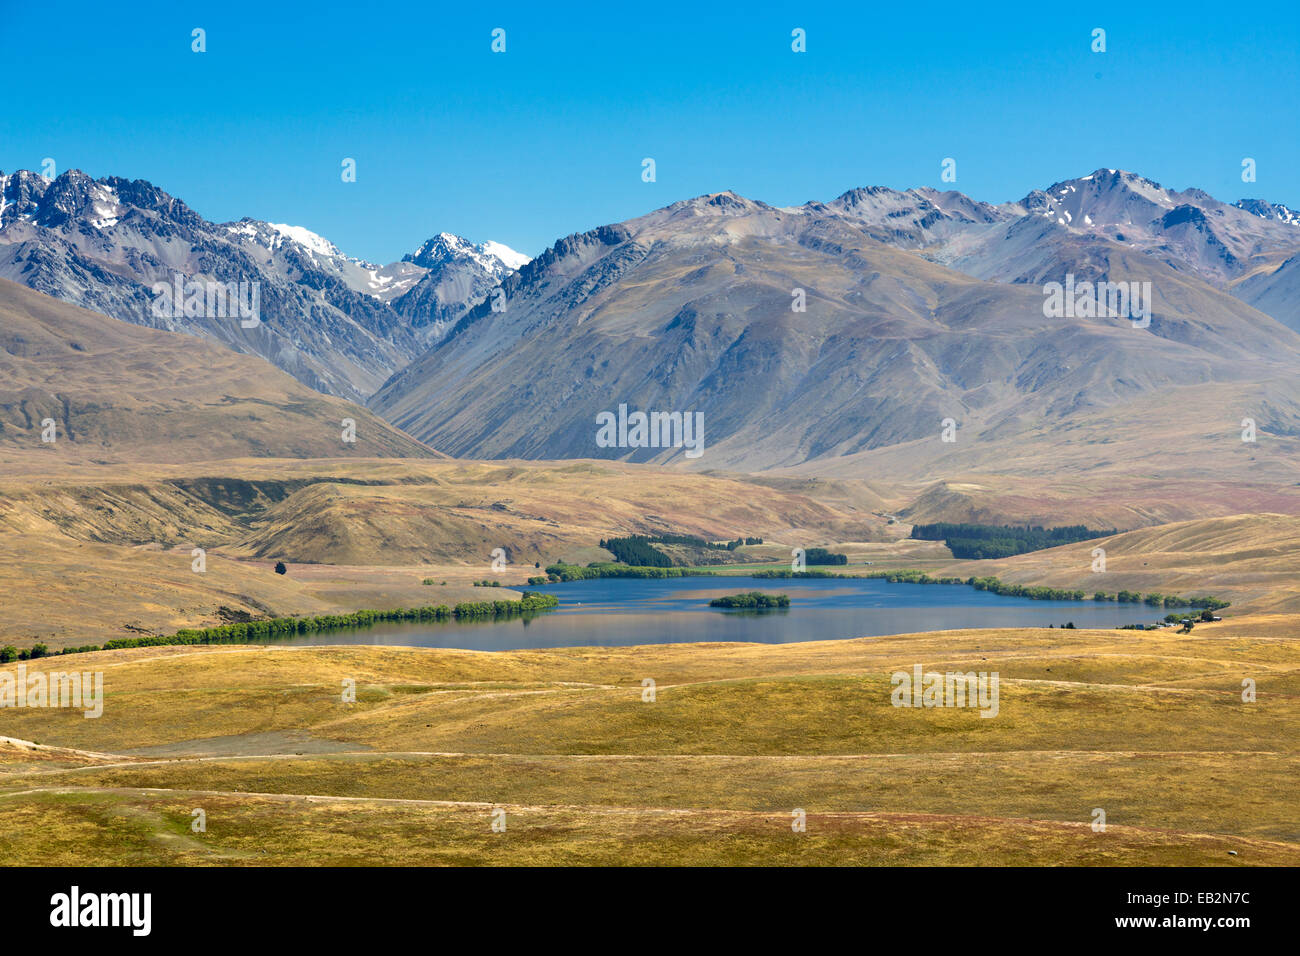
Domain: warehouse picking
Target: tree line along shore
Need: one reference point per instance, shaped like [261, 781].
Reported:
[533, 602]
[572, 572]
[245, 631]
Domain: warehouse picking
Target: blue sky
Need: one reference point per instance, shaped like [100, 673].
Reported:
[548, 138]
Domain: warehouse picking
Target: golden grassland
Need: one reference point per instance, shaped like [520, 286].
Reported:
[88, 556]
[153, 829]
[1105, 500]
[96, 539]
[1252, 560]
[1150, 726]
[85, 558]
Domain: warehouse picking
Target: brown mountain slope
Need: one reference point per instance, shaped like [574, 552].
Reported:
[690, 309]
[117, 392]
[1170, 456]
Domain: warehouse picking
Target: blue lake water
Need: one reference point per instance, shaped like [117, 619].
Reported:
[622, 611]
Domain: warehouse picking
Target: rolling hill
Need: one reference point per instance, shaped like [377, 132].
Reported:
[117, 392]
[1249, 559]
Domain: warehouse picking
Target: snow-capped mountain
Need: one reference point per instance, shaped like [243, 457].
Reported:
[383, 282]
[1189, 229]
[1085, 225]
[1217, 239]
[1268, 210]
[512, 259]
[106, 244]
[444, 248]
[1248, 248]
[344, 325]
[331, 320]
[455, 272]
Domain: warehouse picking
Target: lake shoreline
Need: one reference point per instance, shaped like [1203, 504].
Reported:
[622, 612]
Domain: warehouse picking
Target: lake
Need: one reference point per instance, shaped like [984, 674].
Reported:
[611, 612]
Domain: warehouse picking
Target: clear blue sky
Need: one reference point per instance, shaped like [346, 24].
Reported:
[547, 139]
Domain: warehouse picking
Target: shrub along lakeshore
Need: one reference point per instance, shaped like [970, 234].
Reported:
[1033, 592]
[599, 569]
[246, 631]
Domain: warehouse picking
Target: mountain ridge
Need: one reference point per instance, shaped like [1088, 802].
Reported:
[920, 306]
[338, 324]
[700, 292]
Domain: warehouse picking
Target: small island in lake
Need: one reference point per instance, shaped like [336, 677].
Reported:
[751, 599]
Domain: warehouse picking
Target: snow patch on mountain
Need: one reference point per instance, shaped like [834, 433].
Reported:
[510, 257]
[495, 258]
[308, 239]
[1269, 210]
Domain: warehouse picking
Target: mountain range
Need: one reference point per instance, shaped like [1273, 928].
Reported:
[1247, 248]
[918, 307]
[805, 336]
[336, 323]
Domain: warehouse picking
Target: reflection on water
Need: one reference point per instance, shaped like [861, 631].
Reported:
[622, 611]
